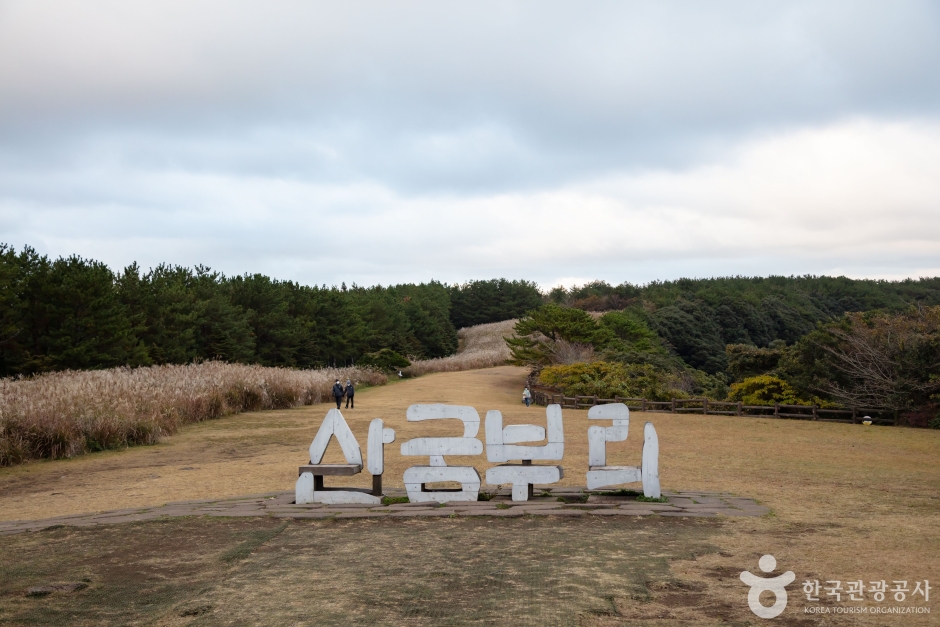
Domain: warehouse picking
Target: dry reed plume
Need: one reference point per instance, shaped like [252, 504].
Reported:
[481, 346]
[63, 414]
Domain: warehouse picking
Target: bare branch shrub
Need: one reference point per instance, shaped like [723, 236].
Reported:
[563, 352]
[63, 414]
[887, 359]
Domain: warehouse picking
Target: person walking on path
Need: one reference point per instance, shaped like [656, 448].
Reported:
[526, 396]
[350, 392]
[338, 393]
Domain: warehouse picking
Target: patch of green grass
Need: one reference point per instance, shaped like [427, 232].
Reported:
[484, 496]
[620, 492]
[581, 498]
[392, 500]
[650, 499]
[502, 506]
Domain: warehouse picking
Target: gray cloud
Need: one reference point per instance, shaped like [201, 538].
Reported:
[249, 136]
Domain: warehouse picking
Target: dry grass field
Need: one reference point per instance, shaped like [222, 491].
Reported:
[480, 346]
[849, 502]
[68, 413]
[529, 571]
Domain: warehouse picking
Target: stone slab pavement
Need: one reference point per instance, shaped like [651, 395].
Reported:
[562, 502]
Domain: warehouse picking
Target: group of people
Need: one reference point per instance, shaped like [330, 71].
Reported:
[349, 391]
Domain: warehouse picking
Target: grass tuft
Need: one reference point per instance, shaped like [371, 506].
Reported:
[620, 492]
[198, 610]
[392, 500]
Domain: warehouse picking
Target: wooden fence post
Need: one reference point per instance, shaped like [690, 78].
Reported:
[705, 406]
[776, 410]
[740, 407]
[595, 399]
[643, 405]
[673, 405]
[814, 411]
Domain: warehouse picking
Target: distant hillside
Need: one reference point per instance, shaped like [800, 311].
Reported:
[75, 313]
[699, 317]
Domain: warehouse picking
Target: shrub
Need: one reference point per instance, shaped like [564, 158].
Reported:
[606, 380]
[536, 334]
[694, 335]
[763, 390]
[745, 360]
[767, 390]
[923, 418]
[891, 362]
[385, 359]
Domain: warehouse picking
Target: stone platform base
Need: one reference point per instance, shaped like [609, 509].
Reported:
[548, 501]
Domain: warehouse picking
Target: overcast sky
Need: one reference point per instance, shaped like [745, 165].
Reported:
[385, 142]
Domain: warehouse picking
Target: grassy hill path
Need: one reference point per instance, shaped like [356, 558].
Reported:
[252, 452]
[848, 501]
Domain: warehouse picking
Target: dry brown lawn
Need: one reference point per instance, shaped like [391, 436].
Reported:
[529, 571]
[849, 502]
[480, 346]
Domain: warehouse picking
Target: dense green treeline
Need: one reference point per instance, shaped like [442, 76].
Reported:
[698, 318]
[479, 302]
[833, 342]
[706, 334]
[77, 313]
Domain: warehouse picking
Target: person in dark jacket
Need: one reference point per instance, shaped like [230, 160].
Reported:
[338, 393]
[350, 392]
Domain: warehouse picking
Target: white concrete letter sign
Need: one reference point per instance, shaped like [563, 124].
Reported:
[599, 473]
[335, 425]
[510, 443]
[416, 477]
[502, 444]
[310, 488]
[379, 436]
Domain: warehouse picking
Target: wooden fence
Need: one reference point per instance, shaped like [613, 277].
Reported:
[723, 408]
